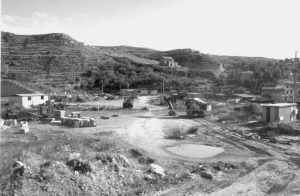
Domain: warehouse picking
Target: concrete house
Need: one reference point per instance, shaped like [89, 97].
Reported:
[279, 112]
[277, 93]
[169, 61]
[28, 100]
[290, 88]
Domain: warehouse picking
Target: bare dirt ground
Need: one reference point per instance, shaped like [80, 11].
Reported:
[246, 167]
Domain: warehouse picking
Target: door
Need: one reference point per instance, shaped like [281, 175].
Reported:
[268, 114]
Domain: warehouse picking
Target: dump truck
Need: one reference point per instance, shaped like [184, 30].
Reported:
[128, 102]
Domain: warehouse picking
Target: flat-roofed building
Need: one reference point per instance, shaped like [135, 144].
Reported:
[279, 112]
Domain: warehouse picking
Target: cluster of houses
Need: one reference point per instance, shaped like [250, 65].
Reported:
[279, 104]
[169, 61]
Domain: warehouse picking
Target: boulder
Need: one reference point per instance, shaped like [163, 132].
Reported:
[156, 169]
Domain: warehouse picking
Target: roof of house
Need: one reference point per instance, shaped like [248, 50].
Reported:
[245, 95]
[290, 82]
[30, 95]
[247, 72]
[279, 104]
[168, 57]
[273, 87]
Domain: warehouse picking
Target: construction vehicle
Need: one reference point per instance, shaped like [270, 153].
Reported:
[195, 107]
[171, 108]
[128, 102]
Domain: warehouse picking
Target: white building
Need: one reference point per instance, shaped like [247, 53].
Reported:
[28, 100]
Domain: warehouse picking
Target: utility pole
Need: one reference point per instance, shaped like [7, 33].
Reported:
[296, 60]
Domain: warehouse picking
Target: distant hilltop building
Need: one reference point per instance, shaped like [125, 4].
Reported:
[283, 93]
[220, 70]
[169, 61]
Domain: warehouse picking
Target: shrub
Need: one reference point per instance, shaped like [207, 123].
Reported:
[175, 133]
[192, 130]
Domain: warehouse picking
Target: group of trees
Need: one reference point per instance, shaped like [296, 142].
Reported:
[131, 75]
[264, 74]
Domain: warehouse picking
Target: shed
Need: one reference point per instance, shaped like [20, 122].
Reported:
[279, 112]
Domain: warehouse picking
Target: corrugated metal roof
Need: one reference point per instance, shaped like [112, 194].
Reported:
[279, 104]
[31, 95]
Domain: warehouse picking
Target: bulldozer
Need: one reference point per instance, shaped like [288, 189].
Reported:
[128, 102]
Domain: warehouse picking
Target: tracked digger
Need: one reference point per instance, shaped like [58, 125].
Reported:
[194, 107]
[128, 102]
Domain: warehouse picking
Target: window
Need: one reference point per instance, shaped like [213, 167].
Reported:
[42, 97]
[29, 98]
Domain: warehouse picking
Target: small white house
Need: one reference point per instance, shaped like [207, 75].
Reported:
[27, 100]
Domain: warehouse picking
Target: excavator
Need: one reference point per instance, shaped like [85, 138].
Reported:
[128, 102]
[195, 107]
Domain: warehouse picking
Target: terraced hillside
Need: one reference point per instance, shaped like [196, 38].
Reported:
[58, 59]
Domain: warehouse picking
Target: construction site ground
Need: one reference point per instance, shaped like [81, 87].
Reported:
[248, 166]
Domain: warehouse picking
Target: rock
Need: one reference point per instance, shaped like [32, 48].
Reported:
[113, 161]
[18, 164]
[125, 161]
[116, 168]
[74, 155]
[206, 174]
[18, 168]
[157, 170]
[149, 178]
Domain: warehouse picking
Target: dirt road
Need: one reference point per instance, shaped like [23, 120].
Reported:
[277, 176]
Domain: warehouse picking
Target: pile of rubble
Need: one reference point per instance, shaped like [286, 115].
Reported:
[13, 123]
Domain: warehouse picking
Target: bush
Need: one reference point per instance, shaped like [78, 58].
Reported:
[175, 133]
[192, 130]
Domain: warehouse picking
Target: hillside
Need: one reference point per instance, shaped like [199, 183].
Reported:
[57, 59]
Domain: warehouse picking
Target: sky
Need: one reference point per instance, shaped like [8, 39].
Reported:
[265, 28]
